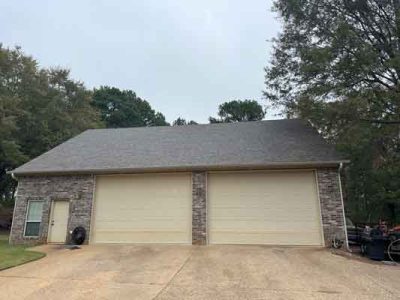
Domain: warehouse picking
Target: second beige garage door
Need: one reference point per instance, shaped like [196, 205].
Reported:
[276, 208]
[152, 208]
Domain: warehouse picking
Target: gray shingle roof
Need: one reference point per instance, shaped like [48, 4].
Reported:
[212, 146]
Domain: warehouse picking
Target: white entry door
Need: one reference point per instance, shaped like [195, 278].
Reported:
[58, 222]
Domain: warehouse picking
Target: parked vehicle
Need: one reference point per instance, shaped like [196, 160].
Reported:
[393, 245]
[5, 224]
[353, 232]
[379, 243]
[5, 218]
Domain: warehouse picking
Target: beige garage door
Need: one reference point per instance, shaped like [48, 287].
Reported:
[277, 208]
[152, 208]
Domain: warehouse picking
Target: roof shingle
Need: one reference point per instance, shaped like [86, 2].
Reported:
[212, 146]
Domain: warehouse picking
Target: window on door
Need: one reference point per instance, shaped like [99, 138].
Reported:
[33, 218]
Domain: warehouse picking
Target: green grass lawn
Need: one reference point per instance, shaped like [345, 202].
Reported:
[11, 256]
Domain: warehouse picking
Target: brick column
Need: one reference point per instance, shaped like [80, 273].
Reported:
[199, 208]
[331, 204]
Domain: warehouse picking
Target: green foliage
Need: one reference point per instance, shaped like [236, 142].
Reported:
[239, 111]
[10, 152]
[39, 109]
[180, 121]
[125, 109]
[337, 63]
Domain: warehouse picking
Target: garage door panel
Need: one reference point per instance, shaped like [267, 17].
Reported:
[149, 224]
[251, 223]
[264, 208]
[305, 238]
[142, 236]
[151, 208]
[149, 212]
[259, 217]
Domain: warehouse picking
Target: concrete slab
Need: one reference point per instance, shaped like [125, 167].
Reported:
[204, 272]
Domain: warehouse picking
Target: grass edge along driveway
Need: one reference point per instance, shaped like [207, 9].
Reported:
[11, 256]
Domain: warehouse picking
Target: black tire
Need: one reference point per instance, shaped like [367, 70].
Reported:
[363, 248]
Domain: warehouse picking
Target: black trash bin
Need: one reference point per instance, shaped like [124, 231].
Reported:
[375, 245]
[78, 235]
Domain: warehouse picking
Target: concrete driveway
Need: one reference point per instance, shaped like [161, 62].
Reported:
[189, 272]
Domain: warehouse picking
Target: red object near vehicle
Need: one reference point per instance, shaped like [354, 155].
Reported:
[396, 228]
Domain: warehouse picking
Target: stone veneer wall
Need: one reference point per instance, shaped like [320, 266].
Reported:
[199, 208]
[331, 204]
[78, 190]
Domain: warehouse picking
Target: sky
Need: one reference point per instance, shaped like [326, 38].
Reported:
[183, 56]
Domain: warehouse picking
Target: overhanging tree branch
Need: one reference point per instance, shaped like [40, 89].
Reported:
[376, 121]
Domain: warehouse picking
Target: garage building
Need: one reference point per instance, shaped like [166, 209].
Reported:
[266, 182]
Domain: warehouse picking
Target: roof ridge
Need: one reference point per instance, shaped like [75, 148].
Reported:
[195, 125]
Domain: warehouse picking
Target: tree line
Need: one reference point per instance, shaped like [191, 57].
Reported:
[42, 107]
[337, 64]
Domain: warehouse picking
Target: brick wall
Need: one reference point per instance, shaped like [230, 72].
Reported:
[78, 190]
[331, 204]
[199, 208]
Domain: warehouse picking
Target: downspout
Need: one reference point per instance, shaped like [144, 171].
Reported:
[12, 222]
[344, 215]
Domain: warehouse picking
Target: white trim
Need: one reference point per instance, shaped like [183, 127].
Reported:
[344, 215]
[91, 225]
[191, 198]
[191, 208]
[50, 217]
[12, 221]
[262, 171]
[26, 219]
[143, 174]
[206, 200]
[320, 209]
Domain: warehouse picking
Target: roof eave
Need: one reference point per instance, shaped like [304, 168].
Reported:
[99, 171]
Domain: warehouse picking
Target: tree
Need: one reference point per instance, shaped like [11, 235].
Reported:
[180, 121]
[39, 109]
[125, 109]
[337, 63]
[338, 49]
[239, 111]
[10, 151]
[56, 110]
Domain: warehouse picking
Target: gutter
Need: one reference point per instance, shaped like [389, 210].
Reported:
[344, 215]
[280, 165]
[12, 221]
